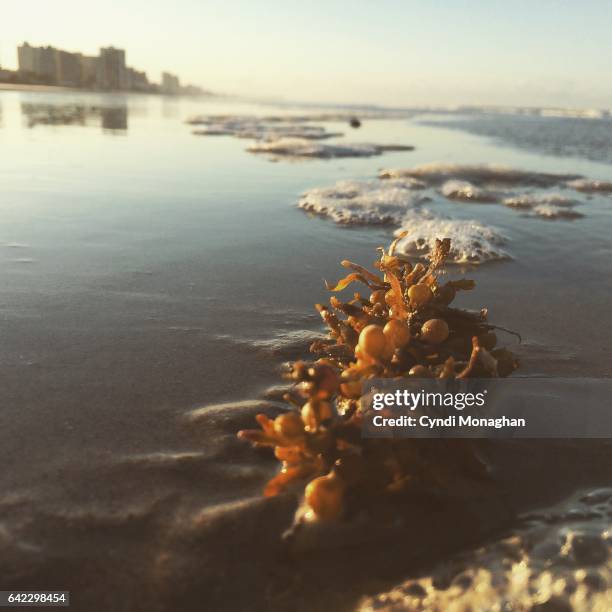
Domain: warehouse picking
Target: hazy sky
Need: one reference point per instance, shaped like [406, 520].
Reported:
[393, 52]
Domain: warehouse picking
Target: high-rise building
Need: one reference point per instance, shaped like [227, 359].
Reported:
[136, 80]
[38, 61]
[68, 68]
[50, 65]
[112, 69]
[89, 71]
[170, 84]
[27, 58]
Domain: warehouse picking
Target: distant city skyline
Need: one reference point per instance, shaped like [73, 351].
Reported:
[105, 71]
[393, 52]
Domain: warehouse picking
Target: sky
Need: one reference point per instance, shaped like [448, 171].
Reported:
[387, 52]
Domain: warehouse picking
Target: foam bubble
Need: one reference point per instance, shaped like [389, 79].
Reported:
[255, 130]
[589, 186]
[530, 200]
[304, 149]
[554, 560]
[260, 128]
[552, 212]
[272, 127]
[472, 241]
[574, 113]
[363, 202]
[488, 174]
[551, 206]
[299, 118]
[284, 137]
[464, 191]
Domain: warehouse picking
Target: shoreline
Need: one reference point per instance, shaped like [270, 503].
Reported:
[32, 87]
[64, 89]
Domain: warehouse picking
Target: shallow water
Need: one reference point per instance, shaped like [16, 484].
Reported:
[147, 271]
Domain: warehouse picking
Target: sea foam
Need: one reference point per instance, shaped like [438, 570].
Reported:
[400, 202]
[437, 173]
[590, 186]
[465, 191]
[552, 212]
[397, 198]
[471, 241]
[344, 117]
[363, 202]
[530, 200]
[300, 148]
[289, 137]
[255, 129]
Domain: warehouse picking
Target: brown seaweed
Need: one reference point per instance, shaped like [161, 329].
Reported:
[404, 328]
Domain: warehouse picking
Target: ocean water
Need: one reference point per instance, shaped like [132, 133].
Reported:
[147, 271]
[577, 137]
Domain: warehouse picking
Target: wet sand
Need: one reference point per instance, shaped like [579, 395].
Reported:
[187, 530]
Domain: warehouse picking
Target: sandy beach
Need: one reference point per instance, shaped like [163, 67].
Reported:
[155, 282]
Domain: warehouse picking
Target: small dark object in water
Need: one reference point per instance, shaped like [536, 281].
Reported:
[354, 122]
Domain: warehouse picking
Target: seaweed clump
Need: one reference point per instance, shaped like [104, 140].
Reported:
[403, 327]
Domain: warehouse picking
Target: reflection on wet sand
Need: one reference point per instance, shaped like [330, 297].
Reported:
[108, 117]
[114, 118]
